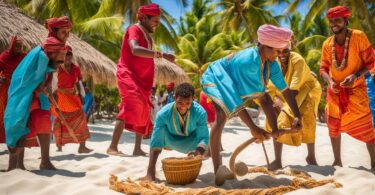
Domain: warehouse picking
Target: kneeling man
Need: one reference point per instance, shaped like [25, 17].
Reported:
[181, 126]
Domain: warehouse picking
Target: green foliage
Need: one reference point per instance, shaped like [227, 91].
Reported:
[106, 99]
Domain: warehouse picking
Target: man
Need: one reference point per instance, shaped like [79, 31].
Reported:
[170, 92]
[27, 115]
[69, 102]
[346, 56]
[307, 91]
[135, 76]
[89, 105]
[9, 61]
[180, 126]
[232, 81]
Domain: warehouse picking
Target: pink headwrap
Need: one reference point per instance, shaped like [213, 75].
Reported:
[274, 36]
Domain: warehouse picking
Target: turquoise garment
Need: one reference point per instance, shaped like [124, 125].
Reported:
[233, 80]
[89, 103]
[169, 134]
[371, 94]
[29, 74]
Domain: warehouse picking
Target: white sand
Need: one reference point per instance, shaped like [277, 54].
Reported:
[88, 174]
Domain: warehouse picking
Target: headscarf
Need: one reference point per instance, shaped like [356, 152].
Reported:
[57, 23]
[148, 10]
[274, 36]
[54, 45]
[338, 12]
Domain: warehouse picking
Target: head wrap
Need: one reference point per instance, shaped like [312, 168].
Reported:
[53, 45]
[169, 85]
[148, 10]
[338, 12]
[57, 23]
[274, 36]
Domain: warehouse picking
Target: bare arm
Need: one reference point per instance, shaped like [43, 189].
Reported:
[140, 51]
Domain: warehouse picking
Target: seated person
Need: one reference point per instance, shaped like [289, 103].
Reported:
[180, 126]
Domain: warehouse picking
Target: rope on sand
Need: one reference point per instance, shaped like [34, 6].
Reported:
[300, 180]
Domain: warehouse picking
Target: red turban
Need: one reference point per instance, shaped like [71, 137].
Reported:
[149, 10]
[338, 12]
[169, 85]
[273, 36]
[57, 23]
[54, 45]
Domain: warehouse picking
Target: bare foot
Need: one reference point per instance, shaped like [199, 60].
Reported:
[274, 166]
[59, 149]
[373, 165]
[139, 153]
[148, 178]
[84, 150]
[337, 163]
[311, 161]
[47, 166]
[114, 152]
[21, 166]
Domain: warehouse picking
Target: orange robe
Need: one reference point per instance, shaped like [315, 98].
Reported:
[349, 111]
[70, 105]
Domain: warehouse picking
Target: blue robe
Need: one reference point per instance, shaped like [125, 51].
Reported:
[231, 81]
[29, 74]
[169, 134]
[89, 103]
[371, 95]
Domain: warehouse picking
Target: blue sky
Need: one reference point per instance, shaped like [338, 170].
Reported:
[176, 10]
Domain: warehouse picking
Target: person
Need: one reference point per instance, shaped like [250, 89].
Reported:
[346, 56]
[69, 102]
[135, 77]
[59, 28]
[9, 61]
[27, 117]
[89, 105]
[170, 92]
[181, 126]
[156, 107]
[240, 77]
[307, 92]
[206, 103]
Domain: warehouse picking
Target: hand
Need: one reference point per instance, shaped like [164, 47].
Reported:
[332, 85]
[277, 102]
[258, 133]
[169, 57]
[41, 89]
[296, 125]
[348, 81]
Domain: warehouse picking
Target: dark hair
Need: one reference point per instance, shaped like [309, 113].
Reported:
[184, 90]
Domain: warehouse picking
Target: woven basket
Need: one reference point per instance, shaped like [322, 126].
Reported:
[181, 171]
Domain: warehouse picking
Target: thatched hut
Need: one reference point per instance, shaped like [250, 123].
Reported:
[93, 63]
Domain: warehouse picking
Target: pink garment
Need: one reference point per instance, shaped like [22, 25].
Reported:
[274, 36]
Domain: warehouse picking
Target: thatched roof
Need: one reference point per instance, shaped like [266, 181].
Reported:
[92, 62]
[166, 71]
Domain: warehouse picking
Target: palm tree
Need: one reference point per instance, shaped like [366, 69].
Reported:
[203, 41]
[248, 14]
[100, 23]
[361, 13]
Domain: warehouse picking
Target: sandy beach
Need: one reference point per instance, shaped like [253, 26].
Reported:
[89, 173]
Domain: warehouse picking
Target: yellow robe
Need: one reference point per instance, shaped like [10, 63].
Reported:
[299, 78]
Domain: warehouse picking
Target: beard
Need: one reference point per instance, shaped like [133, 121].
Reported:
[338, 31]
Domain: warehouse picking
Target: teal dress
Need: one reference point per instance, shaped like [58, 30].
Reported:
[29, 74]
[169, 134]
[233, 80]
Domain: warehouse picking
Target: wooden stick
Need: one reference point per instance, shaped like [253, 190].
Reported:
[265, 154]
[70, 130]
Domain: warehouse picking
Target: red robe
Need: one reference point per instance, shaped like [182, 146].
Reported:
[8, 63]
[135, 76]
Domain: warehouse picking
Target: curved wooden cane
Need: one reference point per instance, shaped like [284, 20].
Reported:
[237, 151]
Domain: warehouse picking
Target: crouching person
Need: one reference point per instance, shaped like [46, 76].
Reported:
[181, 126]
